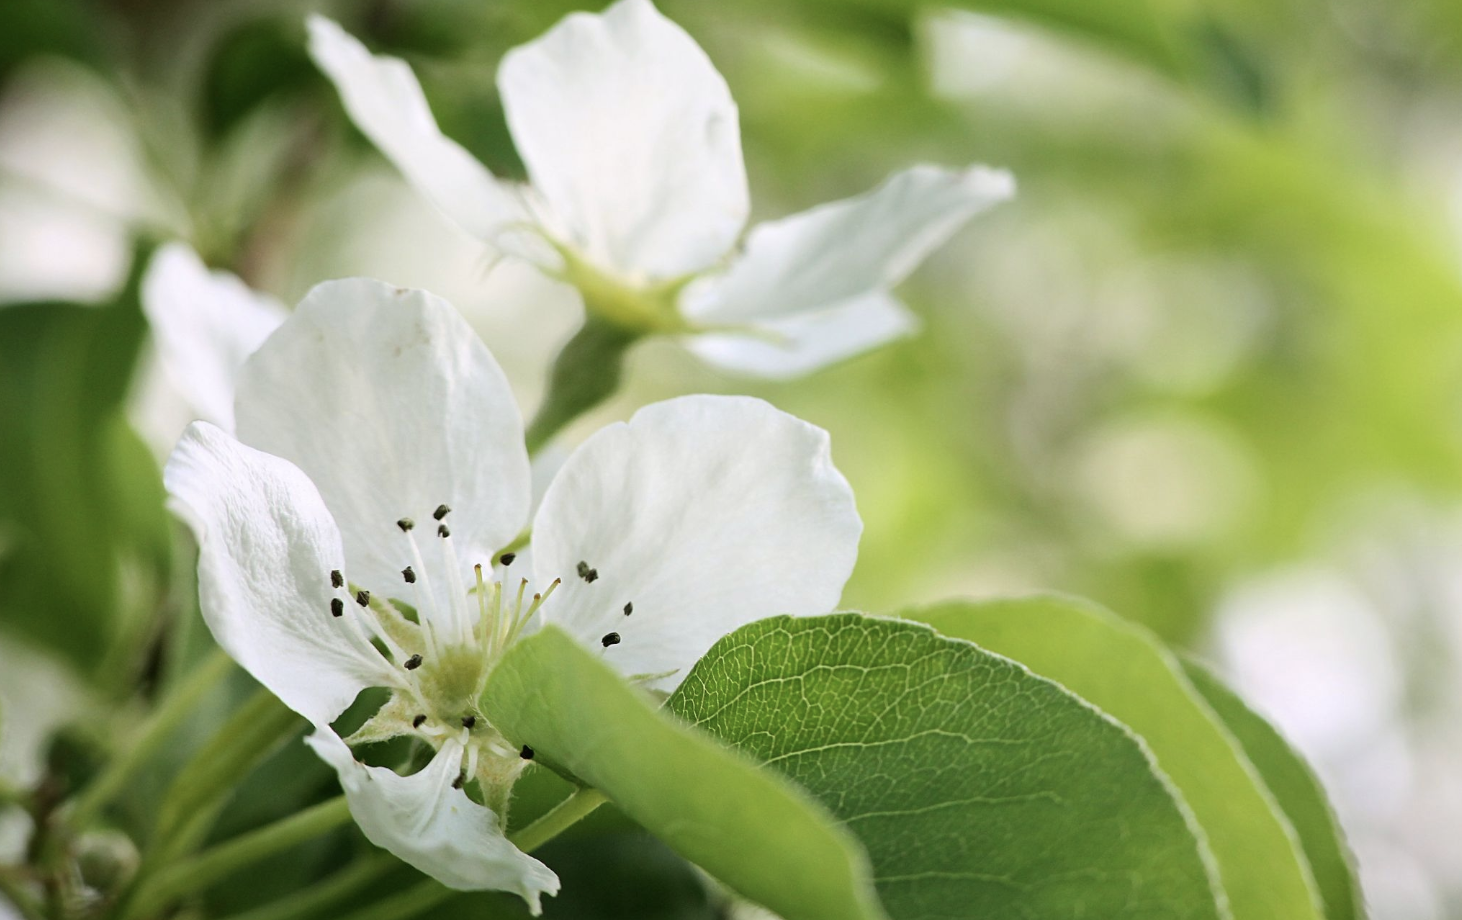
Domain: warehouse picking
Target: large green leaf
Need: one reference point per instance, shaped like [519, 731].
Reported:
[1121, 668]
[1298, 792]
[747, 826]
[979, 789]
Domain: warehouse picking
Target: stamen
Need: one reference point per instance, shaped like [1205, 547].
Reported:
[363, 598]
[629, 608]
[472, 760]
[406, 524]
[587, 573]
[610, 639]
[526, 753]
[441, 512]
[412, 663]
[426, 599]
[506, 559]
[408, 574]
[460, 621]
[419, 721]
[337, 607]
[468, 722]
[337, 580]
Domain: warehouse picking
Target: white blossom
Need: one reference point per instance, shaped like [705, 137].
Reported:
[638, 194]
[380, 463]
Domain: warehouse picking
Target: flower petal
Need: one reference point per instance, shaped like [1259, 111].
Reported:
[846, 249]
[705, 513]
[632, 137]
[393, 406]
[789, 346]
[384, 99]
[204, 324]
[424, 821]
[266, 547]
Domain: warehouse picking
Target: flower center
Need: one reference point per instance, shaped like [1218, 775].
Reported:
[443, 648]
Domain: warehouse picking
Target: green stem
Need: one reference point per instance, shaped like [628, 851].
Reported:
[558, 819]
[29, 907]
[208, 867]
[584, 374]
[178, 703]
[417, 899]
[313, 901]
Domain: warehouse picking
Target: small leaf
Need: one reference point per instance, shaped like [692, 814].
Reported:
[1298, 792]
[1121, 668]
[979, 789]
[749, 827]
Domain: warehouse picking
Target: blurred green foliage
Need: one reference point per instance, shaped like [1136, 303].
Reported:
[1226, 306]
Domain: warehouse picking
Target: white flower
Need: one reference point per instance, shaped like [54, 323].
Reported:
[638, 194]
[374, 424]
[204, 324]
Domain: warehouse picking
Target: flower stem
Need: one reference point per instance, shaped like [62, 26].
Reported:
[169, 714]
[417, 899]
[203, 870]
[558, 819]
[313, 901]
[14, 891]
[584, 374]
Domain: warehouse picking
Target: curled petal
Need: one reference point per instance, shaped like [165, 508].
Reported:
[790, 346]
[266, 550]
[702, 513]
[845, 250]
[425, 821]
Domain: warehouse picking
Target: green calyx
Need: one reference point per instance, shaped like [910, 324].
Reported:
[635, 308]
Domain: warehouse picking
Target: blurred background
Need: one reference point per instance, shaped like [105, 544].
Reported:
[1206, 369]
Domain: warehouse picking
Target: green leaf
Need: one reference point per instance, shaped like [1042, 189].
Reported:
[82, 503]
[1297, 791]
[749, 827]
[1121, 668]
[979, 789]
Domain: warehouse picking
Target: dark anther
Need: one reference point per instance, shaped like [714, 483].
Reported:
[507, 558]
[442, 531]
[409, 575]
[441, 512]
[460, 781]
[526, 753]
[629, 609]
[419, 721]
[610, 639]
[363, 598]
[336, 579]
[405, 524]
[413, 662]
[469, 721]
[337, 607]
[587, 573]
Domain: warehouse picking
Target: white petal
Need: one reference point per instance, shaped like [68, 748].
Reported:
[266, 547]
[789, 346]
[846, 249]
[384, 99]
[204, 324]
[393, 406]
[424, 821]
[705, 513]
[632, 137]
